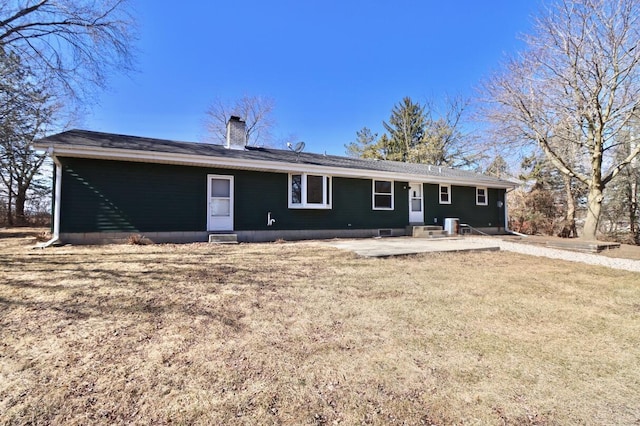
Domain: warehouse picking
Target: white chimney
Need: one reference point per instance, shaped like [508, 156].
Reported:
[236, 133]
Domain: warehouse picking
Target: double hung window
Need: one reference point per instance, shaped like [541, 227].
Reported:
[482, 199]
[382, 195]
[445, 194]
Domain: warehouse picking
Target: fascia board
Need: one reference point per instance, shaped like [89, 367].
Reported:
[240, 163]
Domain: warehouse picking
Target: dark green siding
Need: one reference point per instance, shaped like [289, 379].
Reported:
[352, 199]
[463, 206]
[102, 195]
[123, 196]
[257, 194]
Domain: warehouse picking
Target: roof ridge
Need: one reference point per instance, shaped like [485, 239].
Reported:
[101, 141]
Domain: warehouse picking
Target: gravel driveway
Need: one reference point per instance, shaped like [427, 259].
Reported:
[592, 259]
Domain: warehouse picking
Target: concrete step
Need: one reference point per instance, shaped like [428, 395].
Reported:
[223, 238]
[428, 231]
[430, 234]
[420, 228]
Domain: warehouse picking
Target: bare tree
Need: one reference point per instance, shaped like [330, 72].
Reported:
[579, 71]
[51, 50]
[256, 111]
[620, 207]
[26, 108]
[571, 186]
[19, 169]
[445, 142]
[75, 43]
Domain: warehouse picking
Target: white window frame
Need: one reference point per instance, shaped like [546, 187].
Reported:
[327, 192]
[374, 193]
[486, 196]
[448, 200]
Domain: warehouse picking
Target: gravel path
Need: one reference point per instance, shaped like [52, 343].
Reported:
[592, 259]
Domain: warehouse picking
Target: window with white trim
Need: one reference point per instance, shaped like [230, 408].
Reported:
[482, 197]
[309, 191]
[382, 195]
[445, 194]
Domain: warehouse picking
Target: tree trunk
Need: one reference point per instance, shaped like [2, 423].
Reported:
[9, 212]
[10, 202]
[569, 223]
[21, 198]
[594, 205]
[633, 212]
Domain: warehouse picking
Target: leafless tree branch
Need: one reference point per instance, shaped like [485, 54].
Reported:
[576, 84]
[256, 111]
[75, 41]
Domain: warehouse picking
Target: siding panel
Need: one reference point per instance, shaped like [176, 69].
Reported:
[120, 196]
[123, 196]
[463, 206]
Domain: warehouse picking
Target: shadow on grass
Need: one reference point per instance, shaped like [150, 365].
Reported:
[78, 293]
[29, 284]
[140, 310]
[128, 286]
[22, 232]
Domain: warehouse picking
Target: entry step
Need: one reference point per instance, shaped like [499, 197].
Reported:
[427, 231]
[223, 238]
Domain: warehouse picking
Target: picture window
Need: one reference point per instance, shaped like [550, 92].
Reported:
[309, 191]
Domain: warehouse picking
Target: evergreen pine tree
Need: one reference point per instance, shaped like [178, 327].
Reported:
[365, 145]
[406, 128]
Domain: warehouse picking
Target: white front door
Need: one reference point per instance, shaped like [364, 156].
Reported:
[220, 202]
[416, 206]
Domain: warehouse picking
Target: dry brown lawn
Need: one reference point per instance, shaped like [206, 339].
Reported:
[302, 334]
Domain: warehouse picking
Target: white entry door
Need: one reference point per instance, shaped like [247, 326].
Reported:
[220, 201]
[416, 206]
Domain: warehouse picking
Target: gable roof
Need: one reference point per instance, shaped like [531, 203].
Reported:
[89, 144]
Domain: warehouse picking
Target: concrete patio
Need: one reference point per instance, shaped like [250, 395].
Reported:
[403, 246]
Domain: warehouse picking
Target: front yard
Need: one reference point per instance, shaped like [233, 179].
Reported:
[295, 333]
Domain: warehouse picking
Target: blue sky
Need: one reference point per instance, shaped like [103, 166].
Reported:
[332, 67]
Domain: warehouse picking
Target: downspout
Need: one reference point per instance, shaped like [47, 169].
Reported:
[55, 237]
[506, 216]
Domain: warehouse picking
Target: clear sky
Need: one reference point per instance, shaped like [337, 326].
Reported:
[331, 66]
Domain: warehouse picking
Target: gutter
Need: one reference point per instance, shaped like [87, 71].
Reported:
[55, 237]
[254, 164]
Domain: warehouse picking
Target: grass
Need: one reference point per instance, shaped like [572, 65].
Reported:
[303, 334]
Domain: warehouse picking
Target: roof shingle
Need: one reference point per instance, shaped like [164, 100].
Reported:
[91, 139]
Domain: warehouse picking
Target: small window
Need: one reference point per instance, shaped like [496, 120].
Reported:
[308, 191]
[382, 195]
[296, 189]
[482, 197]
[445, 194]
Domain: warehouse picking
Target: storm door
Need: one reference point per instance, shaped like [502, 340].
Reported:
[416, 206]
[220, 202]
